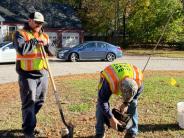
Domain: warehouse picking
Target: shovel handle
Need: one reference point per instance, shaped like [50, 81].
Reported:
[54, 86]
[48, 67]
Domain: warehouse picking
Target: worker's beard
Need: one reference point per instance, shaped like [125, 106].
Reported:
[37, 29]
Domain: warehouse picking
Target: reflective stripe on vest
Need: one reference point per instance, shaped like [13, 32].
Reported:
[138, 76]
[119, 71]
[29, 56]
[33, 60]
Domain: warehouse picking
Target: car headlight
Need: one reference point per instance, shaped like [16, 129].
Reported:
[63, 51]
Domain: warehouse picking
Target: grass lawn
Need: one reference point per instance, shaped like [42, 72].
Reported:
[159, 53]
[157, 106]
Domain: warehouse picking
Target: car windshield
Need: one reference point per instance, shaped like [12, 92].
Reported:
[3, 43]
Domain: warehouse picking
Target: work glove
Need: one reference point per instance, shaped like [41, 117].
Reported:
[34, 41]
[37, 42]
[124, 119]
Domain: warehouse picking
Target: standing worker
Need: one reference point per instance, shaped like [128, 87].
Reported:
[120, 79]
[32, 69]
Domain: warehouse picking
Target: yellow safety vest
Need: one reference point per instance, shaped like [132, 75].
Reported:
[116, 72]
[34, 60]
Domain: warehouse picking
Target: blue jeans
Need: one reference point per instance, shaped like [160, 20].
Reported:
[132, 110]
[100, 120]
[33, 94]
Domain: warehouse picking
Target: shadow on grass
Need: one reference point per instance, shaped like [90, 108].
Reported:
[87, 137]
[158, 127]
[16, 133]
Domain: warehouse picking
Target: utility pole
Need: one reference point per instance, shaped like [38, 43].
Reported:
[116, 15]
[124, 26]
[125, 12]
[2, 39]
[2, 33]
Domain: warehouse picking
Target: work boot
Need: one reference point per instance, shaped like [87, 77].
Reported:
[99, 136]
[31, 135]
[38, 131]
[129, 135]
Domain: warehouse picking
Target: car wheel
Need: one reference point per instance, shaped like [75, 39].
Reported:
[110, 57]
[74, 57]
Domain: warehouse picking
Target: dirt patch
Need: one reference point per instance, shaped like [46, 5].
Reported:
[48, 118]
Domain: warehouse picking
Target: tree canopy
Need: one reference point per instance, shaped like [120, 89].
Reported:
[141, 21]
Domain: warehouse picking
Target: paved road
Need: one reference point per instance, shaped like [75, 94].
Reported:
[8, 74]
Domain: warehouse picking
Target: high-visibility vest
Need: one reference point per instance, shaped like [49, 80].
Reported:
[119, 71]
[34, 60]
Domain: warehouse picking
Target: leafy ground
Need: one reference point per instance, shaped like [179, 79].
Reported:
[157, 107]
[158, 53]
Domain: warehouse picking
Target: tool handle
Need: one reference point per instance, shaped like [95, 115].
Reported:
[48, 67]
[160, 38]
[54, 86]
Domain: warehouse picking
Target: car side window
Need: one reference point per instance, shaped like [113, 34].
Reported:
[90, 45]
[5, 48]
[3, 44]
[101, 45]
[10, 46]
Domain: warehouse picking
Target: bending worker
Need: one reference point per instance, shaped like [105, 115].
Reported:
[120, 79]
[32, 70]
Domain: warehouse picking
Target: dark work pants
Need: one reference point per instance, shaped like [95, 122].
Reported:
[33, 94]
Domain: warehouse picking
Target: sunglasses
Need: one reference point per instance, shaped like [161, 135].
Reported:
[39, 23]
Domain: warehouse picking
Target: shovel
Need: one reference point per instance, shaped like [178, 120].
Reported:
[67, 132]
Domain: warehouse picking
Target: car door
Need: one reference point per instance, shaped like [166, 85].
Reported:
[8, 53]
[87, 52]
[101, 50]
